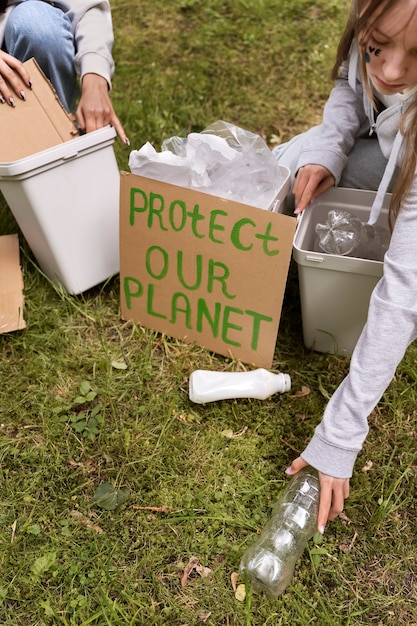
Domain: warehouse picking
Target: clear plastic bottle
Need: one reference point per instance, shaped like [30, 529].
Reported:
[207, 386]
[343, 233]
[270, 561]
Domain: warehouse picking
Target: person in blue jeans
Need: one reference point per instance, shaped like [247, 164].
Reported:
[72, 42]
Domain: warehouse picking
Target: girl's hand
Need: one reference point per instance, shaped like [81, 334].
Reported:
[310, 183]
[95, 109]
[333, 493]
[14, 79]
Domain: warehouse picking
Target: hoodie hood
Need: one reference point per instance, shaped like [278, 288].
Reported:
[387, 128]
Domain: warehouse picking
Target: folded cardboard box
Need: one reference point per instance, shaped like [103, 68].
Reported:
[36, 124]
[203, 269]
[11, 285]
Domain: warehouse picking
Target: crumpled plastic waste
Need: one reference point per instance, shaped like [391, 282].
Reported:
[223, 160]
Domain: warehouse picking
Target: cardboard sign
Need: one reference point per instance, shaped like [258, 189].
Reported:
[11, 285]
[203, 269]
[38, 123]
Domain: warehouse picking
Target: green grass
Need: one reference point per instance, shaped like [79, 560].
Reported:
[182, 484]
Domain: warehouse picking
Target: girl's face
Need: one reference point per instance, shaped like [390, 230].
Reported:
[391, 49]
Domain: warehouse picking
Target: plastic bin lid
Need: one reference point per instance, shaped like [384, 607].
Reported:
[66, 150]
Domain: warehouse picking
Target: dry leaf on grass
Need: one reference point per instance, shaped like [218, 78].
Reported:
[304, 391]
[344, 518]
[234, 577]
[240, 594]
[14, 526]
[348, 548]
[85, 521]
[85, 466]
[368, 465]
[155, 509]
[194, 564]
[204, 615]
[231, 435]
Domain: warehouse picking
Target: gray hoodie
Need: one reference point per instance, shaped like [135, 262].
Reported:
[392, 318]
[93, 34]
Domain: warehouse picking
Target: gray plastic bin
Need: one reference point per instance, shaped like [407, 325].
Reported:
[334, 290]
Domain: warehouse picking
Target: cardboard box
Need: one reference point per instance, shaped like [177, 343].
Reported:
[203, 269]
[36, 124]
[335, 290]
[66, 203]
[11, 285]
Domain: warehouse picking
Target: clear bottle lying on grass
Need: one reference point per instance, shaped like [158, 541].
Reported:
[269, 562]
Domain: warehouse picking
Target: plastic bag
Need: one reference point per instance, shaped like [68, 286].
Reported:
[223, 160]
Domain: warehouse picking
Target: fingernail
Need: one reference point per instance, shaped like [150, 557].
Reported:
[2, 100]
[321, 529]
[22, 95]
[30, 84]
[127, 142]
[297, 211]
[12, 102]
[288, 470]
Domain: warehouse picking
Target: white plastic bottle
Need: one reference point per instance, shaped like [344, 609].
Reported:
[269, 562]
[207, 386]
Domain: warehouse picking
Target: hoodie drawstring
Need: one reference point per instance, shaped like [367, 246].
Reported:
[386, 179]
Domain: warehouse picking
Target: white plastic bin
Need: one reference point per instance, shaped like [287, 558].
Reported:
[334, 290]
[278, 204]
[66, 203]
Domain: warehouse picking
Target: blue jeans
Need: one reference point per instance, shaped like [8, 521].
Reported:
[38, 29]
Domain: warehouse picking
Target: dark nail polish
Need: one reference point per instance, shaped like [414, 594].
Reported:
[22, 95]
[12, 102]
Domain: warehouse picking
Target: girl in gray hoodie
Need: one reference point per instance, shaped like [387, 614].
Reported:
[375, 95]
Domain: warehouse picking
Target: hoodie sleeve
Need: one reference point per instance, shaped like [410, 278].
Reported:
[344, 119]
[390, 328]
[93, 35]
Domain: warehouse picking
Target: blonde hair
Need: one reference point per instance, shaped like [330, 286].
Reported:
[362, 18]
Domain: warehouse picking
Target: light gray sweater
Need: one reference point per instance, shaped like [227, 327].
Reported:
[93, 34]
[392, 319]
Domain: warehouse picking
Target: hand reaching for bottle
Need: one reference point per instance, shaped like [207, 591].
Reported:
[333, 493]
[310, 183]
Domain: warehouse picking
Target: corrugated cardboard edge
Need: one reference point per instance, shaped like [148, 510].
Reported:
[63, 122]
[37, 124]
[11, 285]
